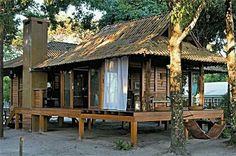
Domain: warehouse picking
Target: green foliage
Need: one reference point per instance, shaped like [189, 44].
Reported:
[225, 106]
[8, 10]
[34, 11]
[15, 48]
[122, 145]
[122, 10]
[211, 24]
[6, 88]
[69, 28]
[114, 10]
[226, 133]
[183, 11]
[216, 77]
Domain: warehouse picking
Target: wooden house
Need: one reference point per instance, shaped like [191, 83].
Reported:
[120, 74]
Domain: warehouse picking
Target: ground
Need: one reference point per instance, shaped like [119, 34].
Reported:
[152, 140]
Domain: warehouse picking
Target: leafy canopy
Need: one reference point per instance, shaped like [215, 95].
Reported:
[114, 10]
[183, 11]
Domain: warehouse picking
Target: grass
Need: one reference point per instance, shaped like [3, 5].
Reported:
[123, 145]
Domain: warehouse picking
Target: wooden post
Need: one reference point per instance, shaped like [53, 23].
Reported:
[222, 119]
[42, 123]
[148, 83]
[17, 121]
[60, 121]
[168, 81]
[101, 86]
[190, 88]
[35, 123]
[93, 122]
[186, 131]
[89, 88]
[201, 86]
[71, 89]
[146, 75]
[62, 89]
[133, 132]
[81, 128]
[89, 124]
[21, 146]
[73, 122]
[166, 125]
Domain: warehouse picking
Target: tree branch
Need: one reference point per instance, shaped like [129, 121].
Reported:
[193, 23]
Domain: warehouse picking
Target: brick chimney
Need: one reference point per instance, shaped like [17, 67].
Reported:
[34, 52]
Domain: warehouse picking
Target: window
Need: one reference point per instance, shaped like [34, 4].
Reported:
[67, 89]
[94, 87]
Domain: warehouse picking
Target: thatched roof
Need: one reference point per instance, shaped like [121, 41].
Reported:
[55, 49]
[17, 62]
[139, 37]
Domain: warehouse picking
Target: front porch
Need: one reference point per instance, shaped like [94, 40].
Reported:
[39, 115]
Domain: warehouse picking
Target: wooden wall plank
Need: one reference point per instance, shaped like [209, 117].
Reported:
[62, 89]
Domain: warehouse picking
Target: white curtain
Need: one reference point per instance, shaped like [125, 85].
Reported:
[116, 83]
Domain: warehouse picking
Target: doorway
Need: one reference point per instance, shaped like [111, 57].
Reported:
[80, 89]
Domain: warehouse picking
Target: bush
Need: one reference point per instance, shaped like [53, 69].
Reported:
[226, 133]
[123, 145]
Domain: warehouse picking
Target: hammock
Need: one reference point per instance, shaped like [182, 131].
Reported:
[198, 133]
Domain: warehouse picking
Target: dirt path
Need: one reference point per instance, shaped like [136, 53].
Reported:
[152, 140]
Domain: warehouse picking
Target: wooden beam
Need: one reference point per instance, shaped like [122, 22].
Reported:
[167, 82]
[190, 88]
[148, 68]
[101, 85]
[81, 128]
[201, 86]
[17, 118]
[62, 89]
[71, 89]
[107, 117]
[60, 121]
[89, 88]
[222, 119]
[186, 132]
[142, 85]
[89, 124]
[42, 123]
[35, 123]
[155, 79]
[11, 93]
[133, 132]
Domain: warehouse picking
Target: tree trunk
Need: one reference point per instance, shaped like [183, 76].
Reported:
[1, 81]
[177, 127]
[231, 66]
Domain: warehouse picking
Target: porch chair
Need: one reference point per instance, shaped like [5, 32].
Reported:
[159, 101]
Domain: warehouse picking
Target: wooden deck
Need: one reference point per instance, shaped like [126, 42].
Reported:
[127, 116]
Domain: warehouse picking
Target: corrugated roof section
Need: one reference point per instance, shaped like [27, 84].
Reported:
[14, 63]
[55, 49]
[131, 38]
